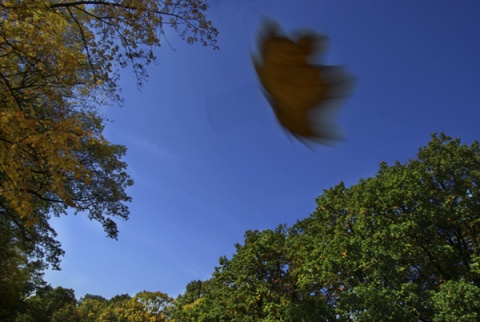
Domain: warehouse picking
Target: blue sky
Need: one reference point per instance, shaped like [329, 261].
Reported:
[210, 162]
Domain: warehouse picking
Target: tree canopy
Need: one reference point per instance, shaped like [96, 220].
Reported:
[400, 246]
[60, 305]
[59, 65]
[403, 246]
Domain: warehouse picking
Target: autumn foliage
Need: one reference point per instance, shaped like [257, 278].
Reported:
[400, 246]
[59, 66]
[403, 245]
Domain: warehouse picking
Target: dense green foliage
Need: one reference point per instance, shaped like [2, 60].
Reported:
[402, 246]
[385, 247]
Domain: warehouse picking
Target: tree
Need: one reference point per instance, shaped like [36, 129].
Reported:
[14, 277]
[155, 304]
[143, 307]
[49, 304]
[59, 64]
[395, 245]
[403, 246]
[254, 285]
[90, 307]
[186, 305]
[89, 297]
[457, 301]
[68, 313]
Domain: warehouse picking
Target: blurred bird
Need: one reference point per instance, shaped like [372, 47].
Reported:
[303, 95]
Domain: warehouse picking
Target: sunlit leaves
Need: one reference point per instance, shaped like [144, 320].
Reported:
[59, 64]
[90, 309]
[127, 31]
[457, 301]
[143, 307]
[400, 246]
[59, 305]
[382, 247]
[256, 284]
